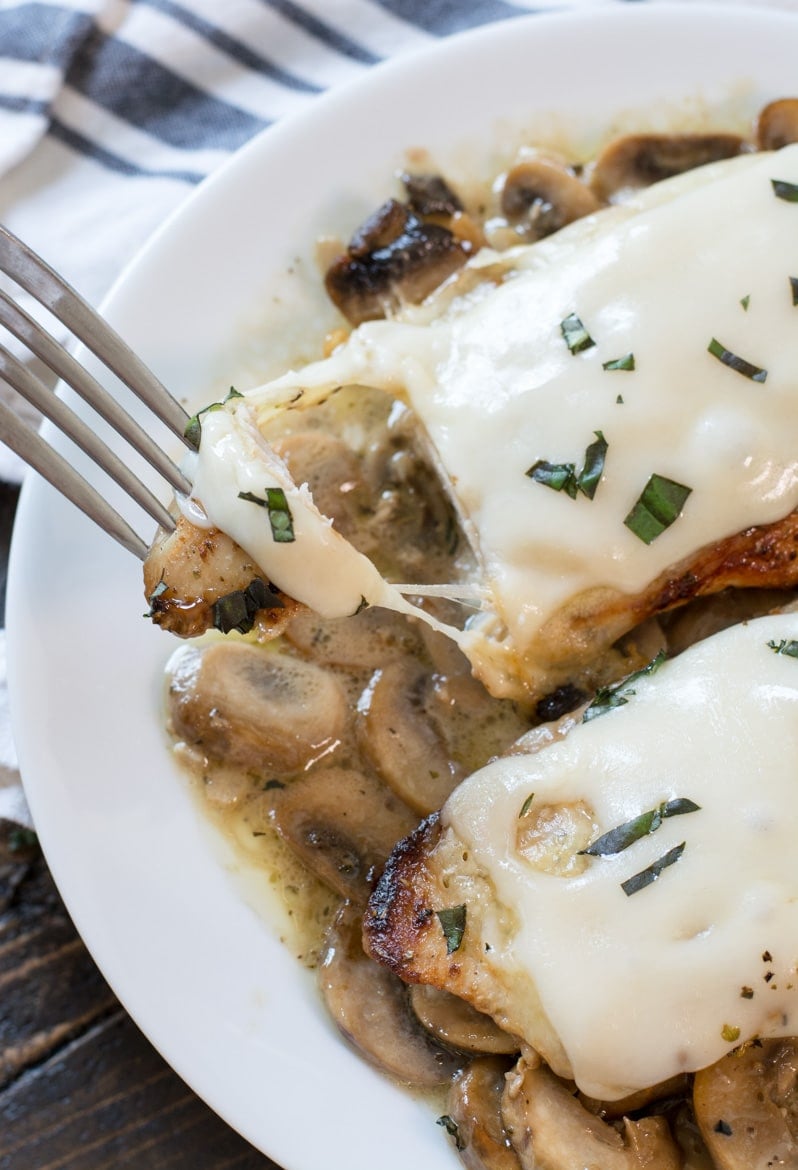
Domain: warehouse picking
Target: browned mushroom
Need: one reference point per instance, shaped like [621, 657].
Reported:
[371, 1008]
[777, 124]
[342, 824]
[549, 1128]
[394, 257]
[675, 1088]
[746, 1106]
[333, 473]
[475, 1116]
[430, 195]
[263, 711]
[458, 1024]
[364, 640]
[541, 195]
[637, 160]
[399, 739]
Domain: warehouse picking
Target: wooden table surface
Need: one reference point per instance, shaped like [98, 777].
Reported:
[80, 1086]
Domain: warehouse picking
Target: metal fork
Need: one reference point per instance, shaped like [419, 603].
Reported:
[36, 277]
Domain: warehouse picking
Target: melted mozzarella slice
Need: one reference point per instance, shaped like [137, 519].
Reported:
[499, 389]
[645, 985]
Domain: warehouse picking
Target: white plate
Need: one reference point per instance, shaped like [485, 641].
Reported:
[197, 968]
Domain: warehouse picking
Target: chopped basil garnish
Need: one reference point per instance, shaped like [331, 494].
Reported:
[619, 400]
[747, 369]
[745, 301]
[563, 477]
[794, 288]
[525, 807]
[639, 881]
[617, 696]
[576, 336]
[660, 503]
[784, 190]
[593, 467]
[193, 430]
[450, 1125]
[616, 840]
[280, 518]
[723, 1127]
[452, 920]
[730, 1033]
[237, 610]
[747, 992]
[785, 646]
[627, 362]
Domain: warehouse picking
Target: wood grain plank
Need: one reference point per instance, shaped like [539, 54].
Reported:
[80, 1086]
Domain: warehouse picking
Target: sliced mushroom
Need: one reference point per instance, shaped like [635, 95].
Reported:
[342, 824]
[672, 1090]
[458, 1024]
[393, 258]
[709, 615]
[400, 740]
[365, 640]
[371, 1008]
[637, 160]
[543, 195]
[430, 195]
[777, 124]
[746, 1106]
[475, 1111]
[548, 1127]
[332, 471]
[196, 579]
[245, 705]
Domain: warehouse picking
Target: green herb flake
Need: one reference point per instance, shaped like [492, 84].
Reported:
[647, 876]
[193, 429]
[747, 369]
[747, 992]
[794, 288]
[593, 468]
[730, 1033]
[563, 477]
[237, 610]
[576, 336]
[453, 921]
[723, 1127]
[788, 647]
[280, 519]
[525, 807]
[620, 838]
[660, 503]
[784, 190]
[607, 698]
[451, 1127]
[745, 301]
[619, 400]
[627, 362]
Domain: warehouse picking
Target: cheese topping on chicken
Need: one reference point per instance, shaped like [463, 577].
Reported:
[665, 331]
[669, 973]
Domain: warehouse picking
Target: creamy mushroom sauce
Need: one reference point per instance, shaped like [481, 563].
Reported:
[405, 692]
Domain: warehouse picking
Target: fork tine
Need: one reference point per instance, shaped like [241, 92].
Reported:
[54, 408]
[38, 278]
[33, 449]
[69, 370]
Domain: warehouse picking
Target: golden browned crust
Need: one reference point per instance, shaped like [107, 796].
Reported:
[190, 571]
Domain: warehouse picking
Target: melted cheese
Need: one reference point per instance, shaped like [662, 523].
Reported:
[498, 389]
[642, 987]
